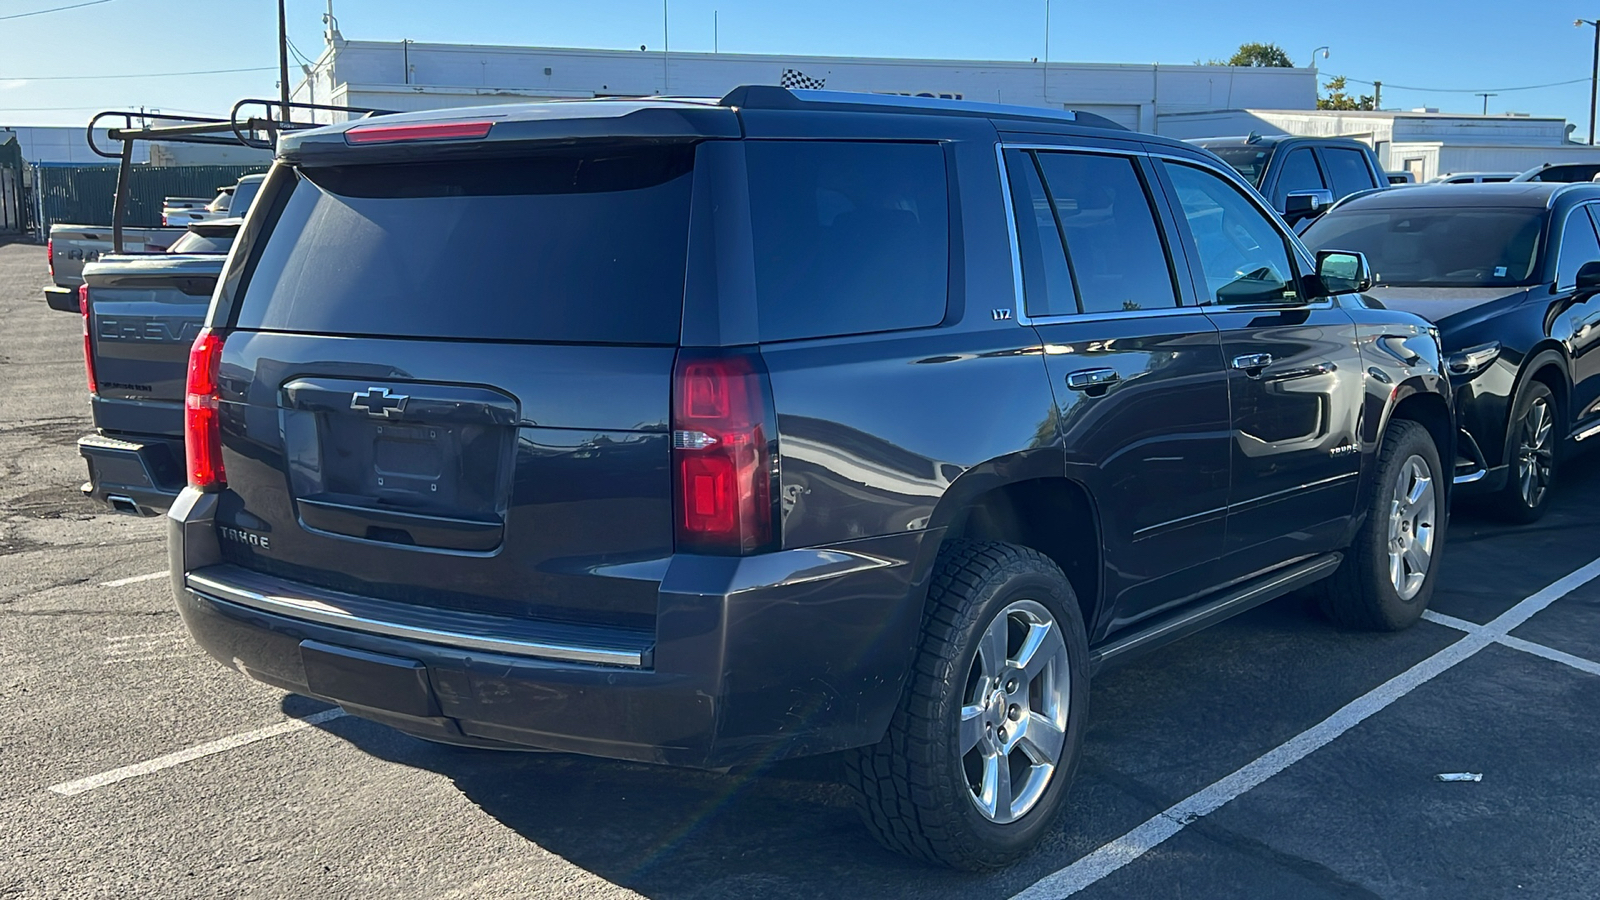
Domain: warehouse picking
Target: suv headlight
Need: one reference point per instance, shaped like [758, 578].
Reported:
[1473, 360]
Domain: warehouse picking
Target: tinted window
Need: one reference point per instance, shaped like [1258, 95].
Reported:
[547, 248]
[243, 196]
[1348, 169]
[1578, 246]
[1244, 257]
[1046, 282]
[1114, 249]
[1300, 173]
[849, 237]
[1249, 161]
[190, 242]
[1455, 246]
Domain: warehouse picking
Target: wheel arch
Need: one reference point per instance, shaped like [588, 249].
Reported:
[1027, 500]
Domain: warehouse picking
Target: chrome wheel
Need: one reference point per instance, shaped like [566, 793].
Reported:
[1535, 453]
[1014, 712]
[1411, 527]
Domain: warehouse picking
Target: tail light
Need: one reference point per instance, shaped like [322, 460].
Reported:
[88, 347]
[723, 454]
[202, 424]
[50, 254]
[424, 131]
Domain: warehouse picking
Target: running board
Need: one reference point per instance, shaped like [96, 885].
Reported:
[1244, 597]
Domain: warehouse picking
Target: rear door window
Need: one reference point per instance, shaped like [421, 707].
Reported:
[563, 247]
[1348, 169]
[1114, 248]
[1245, 258]
[850, 237]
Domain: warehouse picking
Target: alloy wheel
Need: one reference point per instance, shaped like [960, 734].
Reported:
[1412, 508]
[1014, 715]
[1535, 453]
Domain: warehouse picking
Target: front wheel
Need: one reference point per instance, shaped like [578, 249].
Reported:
[979, 755]
[1532, 455]
[1389, 570]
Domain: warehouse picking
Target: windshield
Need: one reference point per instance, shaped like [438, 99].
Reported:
[1249, 161]
[1437, 247]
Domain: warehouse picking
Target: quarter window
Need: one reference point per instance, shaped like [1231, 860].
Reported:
[850, 237]
[1578, 246]
[1245, 258]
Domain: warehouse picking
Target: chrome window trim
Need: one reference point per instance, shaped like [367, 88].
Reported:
[1182, 309]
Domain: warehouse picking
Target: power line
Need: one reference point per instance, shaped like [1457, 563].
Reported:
[144, 75]
[1526, 87]
[40, 12]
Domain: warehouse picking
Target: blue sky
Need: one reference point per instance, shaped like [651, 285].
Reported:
[1464, 44]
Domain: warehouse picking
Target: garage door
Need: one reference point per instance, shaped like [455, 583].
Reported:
[1126, 115]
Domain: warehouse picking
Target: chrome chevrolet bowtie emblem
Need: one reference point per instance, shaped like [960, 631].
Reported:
[379, 402]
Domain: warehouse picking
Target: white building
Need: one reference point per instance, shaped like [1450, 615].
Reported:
[408, 75]
[1426, 142]
[69, 145]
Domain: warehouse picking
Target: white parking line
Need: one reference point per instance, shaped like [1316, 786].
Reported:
[1141, 840]
[1516, 643]
[123, 773]
[135, 579]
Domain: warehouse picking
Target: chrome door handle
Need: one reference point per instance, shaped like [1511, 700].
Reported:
[1252, 363]
[1321, 368]
[1088, 379]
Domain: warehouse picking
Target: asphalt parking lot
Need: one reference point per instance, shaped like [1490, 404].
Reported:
[1271, 756]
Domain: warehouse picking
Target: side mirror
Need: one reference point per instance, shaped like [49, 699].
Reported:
[1589, 278]
[1342, 272]
[1306, 204]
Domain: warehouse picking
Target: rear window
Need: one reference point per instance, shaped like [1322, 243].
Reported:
[191, 242]
[850, 238]
[566, 248]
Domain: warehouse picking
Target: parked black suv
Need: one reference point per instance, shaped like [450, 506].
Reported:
[711, 433]
[1301, 176]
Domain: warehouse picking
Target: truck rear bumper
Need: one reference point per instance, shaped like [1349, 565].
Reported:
[63, 299]
[788, 654]
[136, 475]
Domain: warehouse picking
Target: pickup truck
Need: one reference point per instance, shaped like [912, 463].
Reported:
[233, 200]
[1300, 176]
[141, 313]
[70, 247]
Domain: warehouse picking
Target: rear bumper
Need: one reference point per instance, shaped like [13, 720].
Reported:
[787, 654]
[141, 475]
[63, 299]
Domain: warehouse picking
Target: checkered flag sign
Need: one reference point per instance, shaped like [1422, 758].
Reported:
[794, 78]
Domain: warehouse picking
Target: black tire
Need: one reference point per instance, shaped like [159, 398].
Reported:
[1363, 593]
[1530, 456]
[914, 787]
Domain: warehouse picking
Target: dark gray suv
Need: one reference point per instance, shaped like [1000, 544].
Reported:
[710, 433]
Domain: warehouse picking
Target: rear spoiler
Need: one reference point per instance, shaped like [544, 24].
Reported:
[259, 131]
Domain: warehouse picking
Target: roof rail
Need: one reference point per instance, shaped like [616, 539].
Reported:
[767, 96]
[260, 132]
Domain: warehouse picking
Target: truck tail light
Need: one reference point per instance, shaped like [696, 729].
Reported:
[724, 452]
[202, 424]
[88, 346]
[424, 131]
[50, 254]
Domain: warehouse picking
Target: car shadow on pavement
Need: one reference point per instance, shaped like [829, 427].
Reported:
[786, 830]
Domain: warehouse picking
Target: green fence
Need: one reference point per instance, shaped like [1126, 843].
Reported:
[84, 195]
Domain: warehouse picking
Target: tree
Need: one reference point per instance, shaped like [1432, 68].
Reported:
[1338, 99]
[1256, 54]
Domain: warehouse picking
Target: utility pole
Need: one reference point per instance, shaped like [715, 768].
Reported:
[666, 51]
[1594, 78]
[283, 63]
[1486, 101]
[715, 46]
[1377, 95]
[1044, 73]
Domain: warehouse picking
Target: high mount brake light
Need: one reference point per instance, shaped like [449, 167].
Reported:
[88, 349]
[202, 410]
[722, 454]
[426, 131]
